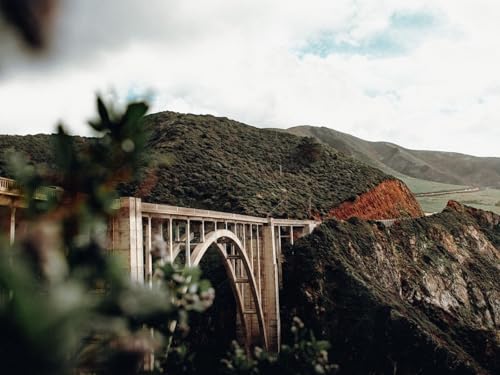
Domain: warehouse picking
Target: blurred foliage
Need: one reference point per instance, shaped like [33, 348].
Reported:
[31, 18]
[64, 303]
[210, 334]
[304, 356]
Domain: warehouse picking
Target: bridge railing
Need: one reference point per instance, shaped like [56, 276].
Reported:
[10, 187]
[6, 184]
[162, 209]
[47, 192]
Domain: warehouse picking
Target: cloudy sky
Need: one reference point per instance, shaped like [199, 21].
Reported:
[423, 74]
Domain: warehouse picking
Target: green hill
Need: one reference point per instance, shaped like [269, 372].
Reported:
[217, 163]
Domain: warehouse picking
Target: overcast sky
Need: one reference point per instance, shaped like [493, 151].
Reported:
[423, 74]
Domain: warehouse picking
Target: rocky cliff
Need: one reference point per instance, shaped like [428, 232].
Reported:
[419, 297]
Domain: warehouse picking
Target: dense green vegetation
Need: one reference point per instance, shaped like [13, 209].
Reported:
[414, 298]
[216, 163]
[221, 164]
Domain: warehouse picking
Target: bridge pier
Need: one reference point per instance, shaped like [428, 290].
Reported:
[270, 286]
[10, 217]
[125, 237]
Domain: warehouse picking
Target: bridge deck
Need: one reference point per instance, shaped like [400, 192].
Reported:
[8, 187]
[162, 209]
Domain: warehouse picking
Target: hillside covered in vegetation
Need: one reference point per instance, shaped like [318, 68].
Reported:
[216, 163]
[418, 297]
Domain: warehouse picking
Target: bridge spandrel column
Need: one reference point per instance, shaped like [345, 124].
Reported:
[270, 291]
[12, 231]
[125, 237]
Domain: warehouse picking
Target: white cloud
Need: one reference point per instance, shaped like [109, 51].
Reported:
[238, 59]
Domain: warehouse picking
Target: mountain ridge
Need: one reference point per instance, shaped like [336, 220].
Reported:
[439, 166]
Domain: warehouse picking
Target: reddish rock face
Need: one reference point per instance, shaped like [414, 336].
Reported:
[389, 200]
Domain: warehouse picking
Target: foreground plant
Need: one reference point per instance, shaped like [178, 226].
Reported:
[304, 356]
[65, 304]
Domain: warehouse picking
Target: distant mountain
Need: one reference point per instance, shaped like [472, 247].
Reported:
[443, 167]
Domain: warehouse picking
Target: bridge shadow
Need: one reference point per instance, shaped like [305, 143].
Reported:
[212, 332]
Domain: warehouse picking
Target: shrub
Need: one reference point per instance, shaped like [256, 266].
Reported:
[64, 303]
[304, 356]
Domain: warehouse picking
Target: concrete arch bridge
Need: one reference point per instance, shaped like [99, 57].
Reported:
[250, 248]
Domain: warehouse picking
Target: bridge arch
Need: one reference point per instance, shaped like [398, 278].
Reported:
[214, 238]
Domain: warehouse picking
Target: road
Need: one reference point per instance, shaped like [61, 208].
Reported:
[446, 192]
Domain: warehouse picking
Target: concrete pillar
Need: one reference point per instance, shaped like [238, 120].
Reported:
[270, 291]
[170, 240]
[147, 254]
[188, 243]
[310, 228]
[126, 242]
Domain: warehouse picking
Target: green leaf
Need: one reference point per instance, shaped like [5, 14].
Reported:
[103, 111]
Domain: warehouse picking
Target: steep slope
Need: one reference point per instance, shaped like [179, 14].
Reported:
[444, 167]
[419, 297]
[216, 163]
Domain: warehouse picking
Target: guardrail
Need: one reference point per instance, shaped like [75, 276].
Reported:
[46, 192]
[153, 208]
[448, 192]
[6, 184]
[10, 187]
[159, 209]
